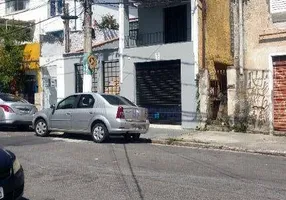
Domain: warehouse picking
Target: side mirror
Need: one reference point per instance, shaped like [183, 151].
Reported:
[53, 106]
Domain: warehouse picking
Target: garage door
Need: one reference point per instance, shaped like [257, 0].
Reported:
[279, 93]
[158, 88]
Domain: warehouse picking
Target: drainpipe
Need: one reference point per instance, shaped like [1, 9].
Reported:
[241, 38]
[204, 17]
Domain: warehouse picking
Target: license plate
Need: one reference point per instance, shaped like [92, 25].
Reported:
[1, 193]
[137, 127]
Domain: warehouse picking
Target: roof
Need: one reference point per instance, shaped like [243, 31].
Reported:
[99, 44]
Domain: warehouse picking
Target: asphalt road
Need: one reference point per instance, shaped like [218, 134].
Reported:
[73, 167]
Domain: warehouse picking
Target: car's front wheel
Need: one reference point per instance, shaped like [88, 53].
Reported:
[41, 128]
[99, 133]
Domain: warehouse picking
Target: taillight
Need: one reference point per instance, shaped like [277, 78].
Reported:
[120, 113]
[6, 108]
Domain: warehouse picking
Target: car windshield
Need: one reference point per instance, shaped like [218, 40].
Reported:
[117, 100]
[11, 98]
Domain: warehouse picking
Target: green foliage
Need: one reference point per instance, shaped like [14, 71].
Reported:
[11, 57]
[108, 22]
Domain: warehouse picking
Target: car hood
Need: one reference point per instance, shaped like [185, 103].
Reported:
[6, 159]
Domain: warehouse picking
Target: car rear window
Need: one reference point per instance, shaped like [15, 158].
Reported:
[117, 100]
[11, 98]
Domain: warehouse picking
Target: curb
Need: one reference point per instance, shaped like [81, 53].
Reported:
[198, 144]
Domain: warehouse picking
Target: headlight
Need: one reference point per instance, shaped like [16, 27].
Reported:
[16, 166]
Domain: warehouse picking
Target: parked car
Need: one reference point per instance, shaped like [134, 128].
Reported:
[16, 111]
[11, 176]
[97, 114]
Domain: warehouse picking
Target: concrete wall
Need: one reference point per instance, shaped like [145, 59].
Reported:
[182, 51]
[263, 39]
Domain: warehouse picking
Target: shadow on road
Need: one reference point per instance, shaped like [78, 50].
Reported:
[111, 139]
[14, 129]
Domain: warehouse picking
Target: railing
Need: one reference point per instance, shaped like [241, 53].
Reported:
[148, 39]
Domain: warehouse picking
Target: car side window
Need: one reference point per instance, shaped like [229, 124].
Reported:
[86, 101]
[67, 103]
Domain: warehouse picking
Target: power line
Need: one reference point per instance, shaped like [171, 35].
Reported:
[39, 22]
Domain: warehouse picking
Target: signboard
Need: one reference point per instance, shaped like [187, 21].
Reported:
[92, 62]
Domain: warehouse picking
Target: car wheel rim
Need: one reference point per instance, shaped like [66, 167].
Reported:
[41, 128]
[98, 133]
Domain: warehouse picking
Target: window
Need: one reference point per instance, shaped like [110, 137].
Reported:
[133, 29]
[56, 7]
[67, 103]
[86, 101]
[16, 5]
[175, 24]
[278, 10]
[11, 98]
[117, 100]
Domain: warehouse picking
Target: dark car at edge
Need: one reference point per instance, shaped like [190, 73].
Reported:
[11, 176]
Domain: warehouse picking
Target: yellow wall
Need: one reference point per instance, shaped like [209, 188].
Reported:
[31, 60]
[218, 37]
[31, 56]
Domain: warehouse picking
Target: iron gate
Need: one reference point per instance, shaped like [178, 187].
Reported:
[79, 79]
[110, 77]
[111, 83]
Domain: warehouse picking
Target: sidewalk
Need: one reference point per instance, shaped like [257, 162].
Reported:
[245, 142]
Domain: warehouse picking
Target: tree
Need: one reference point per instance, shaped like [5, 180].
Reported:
[11, 57]
[108, 22]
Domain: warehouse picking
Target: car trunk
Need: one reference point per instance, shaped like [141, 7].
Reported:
[132, 113]
[22, 108]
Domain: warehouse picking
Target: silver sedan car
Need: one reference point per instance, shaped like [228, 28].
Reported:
[97, 114]
[16, 111]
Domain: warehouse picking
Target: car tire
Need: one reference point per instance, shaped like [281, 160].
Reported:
[41, 128]
[136, 136]
[99, 133]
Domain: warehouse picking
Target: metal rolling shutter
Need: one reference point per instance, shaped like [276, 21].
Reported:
[158, 87]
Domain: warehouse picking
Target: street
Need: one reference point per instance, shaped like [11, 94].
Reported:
[73, 167]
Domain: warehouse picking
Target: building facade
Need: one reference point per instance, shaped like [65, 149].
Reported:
[159, 70]
[265, 63]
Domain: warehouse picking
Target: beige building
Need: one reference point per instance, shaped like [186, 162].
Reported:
[265, 63]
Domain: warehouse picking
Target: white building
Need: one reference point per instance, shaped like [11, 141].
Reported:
[47, 13]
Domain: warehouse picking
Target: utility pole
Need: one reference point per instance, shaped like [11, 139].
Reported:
[87, 74]
[67, 28]
[66, 17]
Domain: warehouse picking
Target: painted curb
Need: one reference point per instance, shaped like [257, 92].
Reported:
[203, 145]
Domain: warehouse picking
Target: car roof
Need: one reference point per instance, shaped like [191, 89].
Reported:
[80, 93]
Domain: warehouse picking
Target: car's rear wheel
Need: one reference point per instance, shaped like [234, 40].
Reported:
[99, 133]
[41, 128]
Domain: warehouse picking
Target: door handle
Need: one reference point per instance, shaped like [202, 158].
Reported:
[91, 113]
[68, 113]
